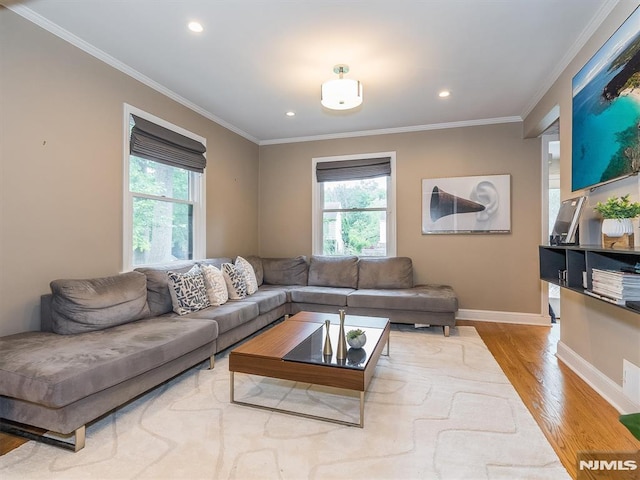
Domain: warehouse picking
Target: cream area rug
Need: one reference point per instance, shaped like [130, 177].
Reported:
[437, 408]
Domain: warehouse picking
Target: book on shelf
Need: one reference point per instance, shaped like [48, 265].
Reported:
[617, 294]
[615, 279]
[605, 298]
[620, 275]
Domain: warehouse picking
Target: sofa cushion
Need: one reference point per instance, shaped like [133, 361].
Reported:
[256, 263]
[426, 298]
[56, 370]
[326, 271]
[158, 295]
[246, 270]
[321, 295]
[216, 262]
[230, 315]
[267, 300]
[385, 272]
[94, 304]
[187, 290]
[215, 285]
[279, 288]
[285, 271]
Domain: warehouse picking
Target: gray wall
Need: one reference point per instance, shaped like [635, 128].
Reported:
[61, 157]
[496, 272]
[601, 334]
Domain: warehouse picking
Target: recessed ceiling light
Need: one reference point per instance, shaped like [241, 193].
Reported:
[290, 114]
[444, 93]
[195, 27]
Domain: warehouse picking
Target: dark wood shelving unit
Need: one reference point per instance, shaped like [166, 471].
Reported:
[564, 265]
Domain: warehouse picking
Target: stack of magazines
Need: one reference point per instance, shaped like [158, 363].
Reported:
[615, 286]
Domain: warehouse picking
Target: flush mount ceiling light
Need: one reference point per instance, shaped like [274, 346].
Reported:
[195, 27]
[341, 93]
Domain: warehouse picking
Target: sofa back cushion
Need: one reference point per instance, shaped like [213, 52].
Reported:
[95, 304]
[285, 271]
[256, 263]
[385, 272]
[158, 294]
[325, 271]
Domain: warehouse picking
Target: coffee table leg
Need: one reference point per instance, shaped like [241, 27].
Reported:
[388, 340]
[231, 384]
[361, 409]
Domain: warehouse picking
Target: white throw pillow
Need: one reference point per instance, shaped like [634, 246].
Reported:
[236, 285]
[246, 270]
[215, 285]
[187, 291]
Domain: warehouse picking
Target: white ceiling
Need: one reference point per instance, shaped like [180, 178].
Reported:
[258, 59]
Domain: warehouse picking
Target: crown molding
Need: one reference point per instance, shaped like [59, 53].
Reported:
[76, 41]
[581, 41]
[388, 131]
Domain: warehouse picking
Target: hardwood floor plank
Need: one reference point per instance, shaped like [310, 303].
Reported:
[10, 442]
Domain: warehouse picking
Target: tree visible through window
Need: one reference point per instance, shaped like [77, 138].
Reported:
[162, 212]
[354, 205]
[164, 180]
[355, 217]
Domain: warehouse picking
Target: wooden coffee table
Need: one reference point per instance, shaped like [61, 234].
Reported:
[292, 350]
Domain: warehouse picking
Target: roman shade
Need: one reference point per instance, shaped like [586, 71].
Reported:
[353, 169]
[153, 142]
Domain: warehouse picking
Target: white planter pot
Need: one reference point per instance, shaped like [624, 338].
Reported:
[617, 227]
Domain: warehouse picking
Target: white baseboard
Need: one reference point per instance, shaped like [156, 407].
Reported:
[504, 317]
[607, 388]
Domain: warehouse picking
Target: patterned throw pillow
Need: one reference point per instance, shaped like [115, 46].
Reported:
[215, 285]
[236, 285]
[246, 270]
[187, 291]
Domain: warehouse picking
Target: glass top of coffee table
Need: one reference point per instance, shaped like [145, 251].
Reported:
[310, 350]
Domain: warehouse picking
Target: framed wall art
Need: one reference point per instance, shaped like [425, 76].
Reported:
[479, 204]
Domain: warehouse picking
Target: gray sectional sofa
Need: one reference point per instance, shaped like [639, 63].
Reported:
[105, 341]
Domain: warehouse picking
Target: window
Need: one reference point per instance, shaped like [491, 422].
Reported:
[354, 205]
[164, 192]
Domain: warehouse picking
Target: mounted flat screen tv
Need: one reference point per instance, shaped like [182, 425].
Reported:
[606, 111]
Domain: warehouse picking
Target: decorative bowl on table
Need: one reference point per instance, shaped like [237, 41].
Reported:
[356, 338]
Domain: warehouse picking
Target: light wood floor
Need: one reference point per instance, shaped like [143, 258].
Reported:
[572, 416]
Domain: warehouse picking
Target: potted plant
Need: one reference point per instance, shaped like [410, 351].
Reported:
[618, 213]
[356, 338]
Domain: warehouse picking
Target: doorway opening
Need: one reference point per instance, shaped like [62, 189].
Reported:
[554, 207]
[551, 205]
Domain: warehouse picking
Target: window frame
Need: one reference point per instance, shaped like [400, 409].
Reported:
[318, 194]
[197, 190]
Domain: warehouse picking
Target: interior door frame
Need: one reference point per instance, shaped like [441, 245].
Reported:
[544, 211]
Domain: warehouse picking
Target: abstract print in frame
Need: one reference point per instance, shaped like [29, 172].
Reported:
[478, 204]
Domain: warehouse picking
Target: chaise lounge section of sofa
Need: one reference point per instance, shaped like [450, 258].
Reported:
[99, 348]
